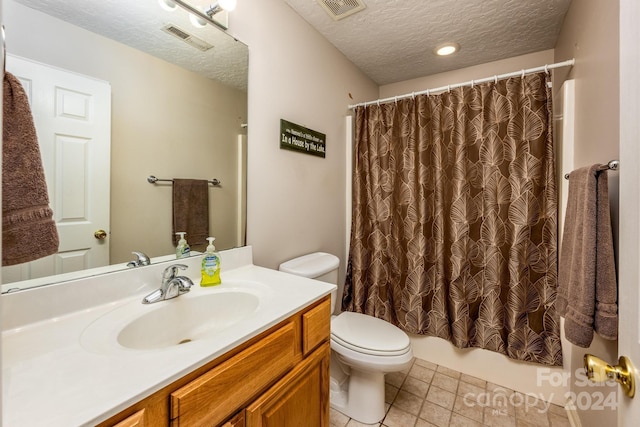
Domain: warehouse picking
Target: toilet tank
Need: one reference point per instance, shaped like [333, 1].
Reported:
[318, 265]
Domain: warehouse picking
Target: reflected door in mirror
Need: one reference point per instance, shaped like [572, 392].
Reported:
[72, 115]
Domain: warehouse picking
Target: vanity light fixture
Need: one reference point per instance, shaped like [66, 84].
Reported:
[221, 5]
[168, 5]
[446, 49]
[197, 21]
[199, 18]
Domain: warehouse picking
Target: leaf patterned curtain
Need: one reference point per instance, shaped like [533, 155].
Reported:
[455, 218]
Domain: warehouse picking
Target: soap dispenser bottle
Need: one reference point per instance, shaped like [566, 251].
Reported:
[210, 266]
[182, 250]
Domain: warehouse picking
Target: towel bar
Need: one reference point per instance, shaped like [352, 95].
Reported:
[612, 165]
[152, 180]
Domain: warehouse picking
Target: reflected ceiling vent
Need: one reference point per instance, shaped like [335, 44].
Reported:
[189, 39]
[339, 9]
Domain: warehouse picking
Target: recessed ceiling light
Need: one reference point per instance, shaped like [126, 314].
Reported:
[446, 49]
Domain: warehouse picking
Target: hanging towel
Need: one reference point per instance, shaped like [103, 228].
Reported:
[28, 229]
[587, 288]
[191, 211]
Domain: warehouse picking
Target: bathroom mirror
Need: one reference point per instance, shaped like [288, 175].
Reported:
[178, 103]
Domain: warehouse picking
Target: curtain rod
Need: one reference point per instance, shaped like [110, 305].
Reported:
[567, 63]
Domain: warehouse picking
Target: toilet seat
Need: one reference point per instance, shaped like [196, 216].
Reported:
[368, 335]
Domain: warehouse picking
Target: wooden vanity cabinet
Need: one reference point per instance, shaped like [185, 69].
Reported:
[139, 419]
[301, 398]
[279, 378]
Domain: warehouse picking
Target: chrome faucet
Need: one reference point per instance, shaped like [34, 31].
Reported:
[141, 259]
[172, 285]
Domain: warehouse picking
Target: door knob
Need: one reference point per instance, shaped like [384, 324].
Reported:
[100, 234]
[600, 371]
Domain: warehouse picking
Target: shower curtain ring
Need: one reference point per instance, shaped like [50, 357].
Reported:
[523, 73]
[472, 83]
[495, 78]
[413, 95]
[546, 68]
[449, 88]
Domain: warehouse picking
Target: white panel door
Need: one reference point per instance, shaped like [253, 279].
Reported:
[629, 247]
[72, 115]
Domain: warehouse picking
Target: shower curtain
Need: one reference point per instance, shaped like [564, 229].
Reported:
[454, 220]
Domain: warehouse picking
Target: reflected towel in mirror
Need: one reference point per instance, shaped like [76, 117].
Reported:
[191, 211]
[28, 229]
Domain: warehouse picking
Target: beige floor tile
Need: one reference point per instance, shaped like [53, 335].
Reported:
[468, 408]
[528, 410]
[467, 388]
[428, 395]
[558, 410]
[435, 414]
[337, 419]
[415, 386]
[408, 402]
[425, 364]
[395, 378]
[526, 423]
[458, 420]
[558, 420]
[421, 373]
[499, 389]
[473, 380]
[408, 368]
[498, 419]
[354, 423]
[390, 393]
[445, 382]
[441, 397]
[448, 371]
[499, 401]
[398, 418]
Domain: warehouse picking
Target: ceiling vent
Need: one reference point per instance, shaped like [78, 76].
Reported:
[189, 39]
[339, 9]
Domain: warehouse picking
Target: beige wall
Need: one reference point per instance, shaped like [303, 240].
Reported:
[296, 202]
[166, 121]
[590, 35]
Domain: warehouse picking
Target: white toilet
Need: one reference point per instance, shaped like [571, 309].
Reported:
[364, 348]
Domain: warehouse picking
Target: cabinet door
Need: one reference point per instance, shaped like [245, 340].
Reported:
[301, 398]
[136, 420]
[218, 394]
[237, 421]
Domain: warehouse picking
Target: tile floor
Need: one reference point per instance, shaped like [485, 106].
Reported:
[431, 395]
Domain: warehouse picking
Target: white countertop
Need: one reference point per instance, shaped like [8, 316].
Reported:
[51, 377]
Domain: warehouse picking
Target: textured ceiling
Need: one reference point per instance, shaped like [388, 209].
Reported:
[393, 40]
[390, 40]
[139, 24]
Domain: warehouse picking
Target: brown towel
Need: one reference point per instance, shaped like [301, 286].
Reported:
[28, 229]
[587, 288]
[191, 211]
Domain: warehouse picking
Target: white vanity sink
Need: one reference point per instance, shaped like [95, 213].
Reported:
[78, 352]
[199, 314]
[199, 317]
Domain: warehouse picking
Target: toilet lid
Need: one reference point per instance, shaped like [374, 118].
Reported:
[368, 334]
